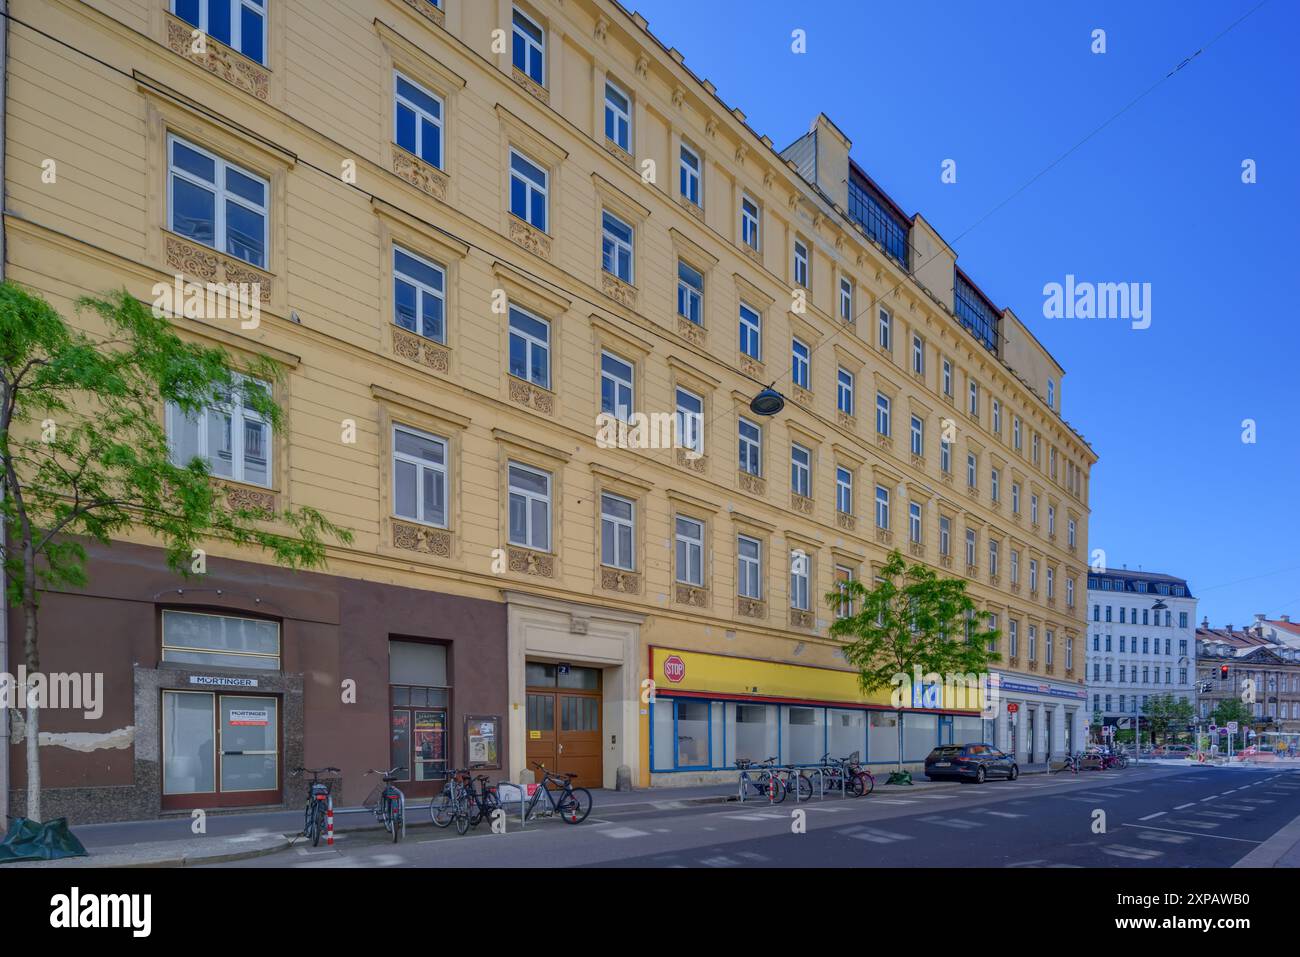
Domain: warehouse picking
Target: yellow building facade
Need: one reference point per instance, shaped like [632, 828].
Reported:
[474, 227]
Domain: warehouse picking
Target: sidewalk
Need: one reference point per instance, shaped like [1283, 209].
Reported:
[170, 842]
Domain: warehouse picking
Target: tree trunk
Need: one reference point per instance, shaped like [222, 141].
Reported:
[33, 661]
[900, 742]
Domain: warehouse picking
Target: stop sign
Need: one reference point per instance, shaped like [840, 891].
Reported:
[1012, 708]
[674, 668]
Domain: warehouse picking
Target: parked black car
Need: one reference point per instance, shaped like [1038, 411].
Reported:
[971, 762]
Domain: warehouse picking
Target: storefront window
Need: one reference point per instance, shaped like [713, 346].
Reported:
[966, 730]
[189, 744]
[920, 735]
[882, 736]
[221, 746]
[755, 726]
[805, 738]
[220, 641]
[846, 733]
[692, 734]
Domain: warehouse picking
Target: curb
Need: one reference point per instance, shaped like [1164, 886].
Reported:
[1275, 848]
[165, 858]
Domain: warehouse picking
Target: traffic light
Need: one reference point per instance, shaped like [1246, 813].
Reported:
[1223, 672]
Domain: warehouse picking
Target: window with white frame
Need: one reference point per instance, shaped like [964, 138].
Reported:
[1069, 654]
[1015, 433]
[1015, 567]
[1051, 394]
[419, 298]
[1033, 642]
[217, 203]
[799, 577]
[970, 546]
[1051, 582]
[690, 420]
[945, 456]
[690, 293]
[885, 330]
[882, 413]
[1034, 446]
[800, 264]
[419, 476]
[994, 554]
[1069, 592]
[800, 470]
[751, 447]
[528, 49]
[618, 117]
[1013, 638]
[530, 347]
[530, 507]
[749, 224]
[1015, 498]
[1033, 575]
[997, 417]
[918, 355]
[688, 180]
[947, 378]
[844, 391]
[972, 470]
[882, 507]
[914, 522]
[690, 551]
[751, 342]
[995, 485]
[846, 299]
[1051, 520]
[417, 120]
[1049, 646]
[616, 246]
[799, 365]
[239, 24]
[229, 435]
[844, 490]
[945, 535]
[529, 189]
[617, 532]
[749, 571]
[918, 435]
[616, 376]
[974, 405]
[844, 607]
[1033, 508]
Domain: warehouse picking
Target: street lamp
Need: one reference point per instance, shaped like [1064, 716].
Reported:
[767, 402]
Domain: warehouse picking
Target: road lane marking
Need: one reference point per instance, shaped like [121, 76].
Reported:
[1168, 830]
[1150, 816]
[1181, 806]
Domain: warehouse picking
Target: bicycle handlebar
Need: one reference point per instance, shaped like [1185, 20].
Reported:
[389, 772]
[315, 770]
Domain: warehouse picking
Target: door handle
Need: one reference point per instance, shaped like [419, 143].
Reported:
[561, 751]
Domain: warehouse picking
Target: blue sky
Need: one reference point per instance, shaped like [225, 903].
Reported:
[1154, 196]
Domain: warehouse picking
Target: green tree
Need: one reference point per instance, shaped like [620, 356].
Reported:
[911, 618]
[1231, 709]
[84, 456]
[1163, 712]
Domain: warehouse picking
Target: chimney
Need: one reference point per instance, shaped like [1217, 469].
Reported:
[1227, 628]
[1205, 622]
[1285, 618]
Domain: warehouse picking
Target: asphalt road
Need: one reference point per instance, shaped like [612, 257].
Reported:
[1145, 816]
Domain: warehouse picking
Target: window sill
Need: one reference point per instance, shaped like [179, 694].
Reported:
[801, 395]
[207, 264]
[220, 60]
[428, 11]
[846, 420]
[623, 293]
[530, 86]
[751, 366]
[846, 521]
[425, 539]
[695, 209]
[531, 396]
[420, 350]
[799, 618]
[529, 237]
[621, 580]
[423, 175]
[620, 154]
[530, 561]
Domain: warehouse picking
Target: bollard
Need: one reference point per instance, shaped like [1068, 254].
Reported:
[329, 823]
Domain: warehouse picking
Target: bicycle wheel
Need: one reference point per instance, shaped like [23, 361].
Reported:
[575, 805]
[865, 781]
[318, 822]
[462, 814]
[803, 787]
[309, 820]
[442, 809]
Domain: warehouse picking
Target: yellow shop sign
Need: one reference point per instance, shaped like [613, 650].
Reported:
[722, 675]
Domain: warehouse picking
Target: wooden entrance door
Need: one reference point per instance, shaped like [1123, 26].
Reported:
[564, 734]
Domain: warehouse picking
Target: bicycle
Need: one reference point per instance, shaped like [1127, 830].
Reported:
[319, 802]
[847, 775]
[573, 805]
[484, 801]
[388, 803]
[1069, 763]
[765, 781]
[453, 803]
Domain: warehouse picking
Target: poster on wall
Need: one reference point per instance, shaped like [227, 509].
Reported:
[430, 744]
[482, 735]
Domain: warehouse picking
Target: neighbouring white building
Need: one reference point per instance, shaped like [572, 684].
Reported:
[1141, 642]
